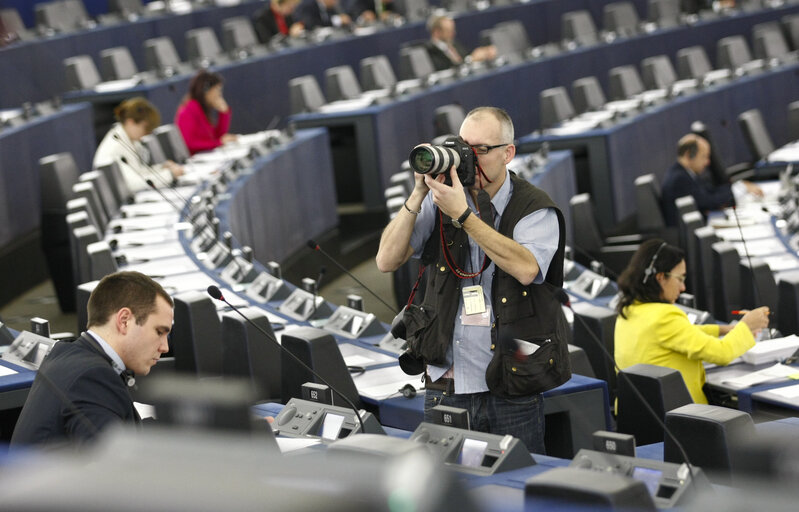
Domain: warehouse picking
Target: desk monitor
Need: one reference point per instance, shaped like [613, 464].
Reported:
[591, 285]
[238, 271]
[303, 418]
[28, 350]
[351, 323]
[469, 451]
[304, 306]
[266, 287]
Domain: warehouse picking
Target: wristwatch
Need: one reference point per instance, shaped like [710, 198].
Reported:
[458, 223]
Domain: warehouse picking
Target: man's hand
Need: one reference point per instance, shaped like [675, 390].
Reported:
[753, 189]
[451, 200]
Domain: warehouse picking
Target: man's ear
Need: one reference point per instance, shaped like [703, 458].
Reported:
[122, 319]
[510, 153]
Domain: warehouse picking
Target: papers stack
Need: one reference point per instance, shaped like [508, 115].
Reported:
[776, 372]
[772, 350]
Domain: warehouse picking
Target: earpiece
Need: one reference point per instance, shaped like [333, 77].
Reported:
[408, 391]
[651, 268]
[128, 378]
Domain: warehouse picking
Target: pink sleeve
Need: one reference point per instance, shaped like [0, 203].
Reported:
[197, 130]
[223, 123]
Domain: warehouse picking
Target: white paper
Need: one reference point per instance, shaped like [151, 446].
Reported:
[5, 370]
[384, 382]
[772, 350]
[787, 391]
[145, 410]
[289, 444]
[778, 371]
[360, 356]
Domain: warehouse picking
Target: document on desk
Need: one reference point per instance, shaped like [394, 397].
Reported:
[384, 382]
[359, 356]
[776, 372]
[789, 392]
[5, 371]
[768, 351]
[749, 232]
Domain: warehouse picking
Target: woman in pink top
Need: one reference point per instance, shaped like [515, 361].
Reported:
[204, 116]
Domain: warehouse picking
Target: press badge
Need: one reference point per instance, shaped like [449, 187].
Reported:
[474, 307]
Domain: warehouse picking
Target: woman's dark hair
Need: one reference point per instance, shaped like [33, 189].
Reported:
[638, 282]
[202, 83]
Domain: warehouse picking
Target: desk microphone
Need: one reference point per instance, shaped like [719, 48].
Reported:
[563, 298]
[314, 246]
[216, 294]
[755, 287]
[316, 286]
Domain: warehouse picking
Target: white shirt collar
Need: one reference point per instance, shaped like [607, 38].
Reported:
[117, 363]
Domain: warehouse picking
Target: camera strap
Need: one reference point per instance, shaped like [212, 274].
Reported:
[451, 263]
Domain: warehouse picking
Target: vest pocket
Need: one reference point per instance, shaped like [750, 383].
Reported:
[514, 372]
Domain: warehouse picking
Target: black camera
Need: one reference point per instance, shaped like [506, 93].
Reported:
[435, 160]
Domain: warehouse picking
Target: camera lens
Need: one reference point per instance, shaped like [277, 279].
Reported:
[429, 159]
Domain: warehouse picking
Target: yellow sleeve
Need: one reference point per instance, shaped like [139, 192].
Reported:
[676, 333]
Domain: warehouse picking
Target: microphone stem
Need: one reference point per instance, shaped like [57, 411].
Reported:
[340, 266]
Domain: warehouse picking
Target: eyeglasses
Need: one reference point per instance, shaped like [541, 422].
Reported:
[482, 149]
[679, 277]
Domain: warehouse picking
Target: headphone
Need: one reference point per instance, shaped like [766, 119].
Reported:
[408, 391]
[651, 268]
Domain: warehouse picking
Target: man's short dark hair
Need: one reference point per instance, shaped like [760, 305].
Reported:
[132, 290]
[688, 145]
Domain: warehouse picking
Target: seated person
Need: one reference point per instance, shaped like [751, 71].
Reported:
[277, 18]
[369, 11]
[322, 13]
[650, 329]
[82, 387]
[136, 117]
[686, 178]
[445, 51]
[204, 116]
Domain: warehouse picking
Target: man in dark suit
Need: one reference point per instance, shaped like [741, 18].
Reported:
[276, 18]
[445, 51]
[322, 13]
[82, 386]
[684, 178]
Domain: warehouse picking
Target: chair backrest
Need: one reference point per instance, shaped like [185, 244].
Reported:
[126, 7]
[758, 286]
[663, 389]
[13, 25]
[657, 72]
[503, 42]
[245, 352]
[447, 119]
[647, 200]
[693, 62]
[791, 25]
[517, 34]
[755, 134]
[556, 107]
[621, 18]
[624, 82]
[172, 142]
[377, 73]
[104, 191]
[83, 237]
[579, 362]
[412, 10]
[117, 64]
[732, 52]
[57, 174]
[415, 62]
[54, 16]
[238, 34]
[768, 42]
[788, 312]
[708, 434]
[666, 13]
[793, 120]
[704, 288]
[81, 73]
[727, 289]
[579, 26]
[81, 204]
[689, 223]
[685, 204]
[587, 94]
[596, 322]
[117, 182]
[153, 146]
[86, 190]
[305, 94]
[341, 84]
[101, 260]
[160, 54]
[202, 46]
[196, 335]
[587, 235]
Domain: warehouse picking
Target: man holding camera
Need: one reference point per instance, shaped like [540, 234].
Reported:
[490, 331]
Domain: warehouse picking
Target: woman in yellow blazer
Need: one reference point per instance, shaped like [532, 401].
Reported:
[651, 329]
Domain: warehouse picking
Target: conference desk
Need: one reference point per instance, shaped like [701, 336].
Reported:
[21, 147]
[370, 143]
[37, 66]
[14, 387]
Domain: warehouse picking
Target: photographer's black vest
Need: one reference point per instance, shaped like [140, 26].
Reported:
[528, 312]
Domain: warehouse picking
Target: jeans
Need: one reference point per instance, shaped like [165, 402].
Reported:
[521, 417]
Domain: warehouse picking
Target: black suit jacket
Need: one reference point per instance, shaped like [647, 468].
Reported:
[310, 14]
[93, 396]
[265, 24]
[678, 182]
[441, 60]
